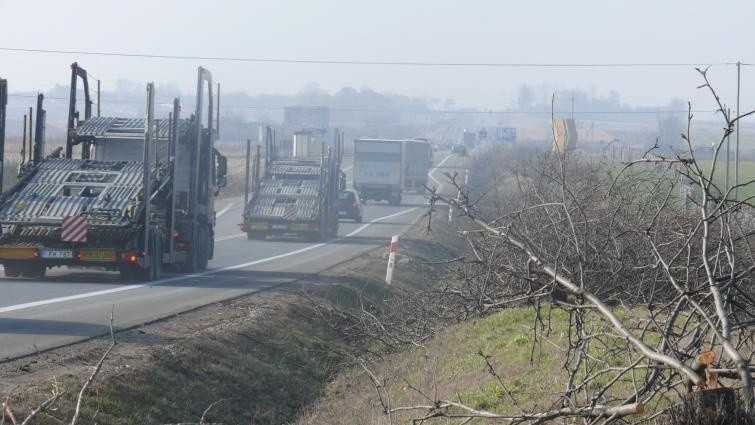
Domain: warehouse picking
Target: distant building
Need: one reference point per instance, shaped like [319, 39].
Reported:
[315, 119]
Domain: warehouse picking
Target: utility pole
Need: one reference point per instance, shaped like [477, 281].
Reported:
[246, 178]
[572, 105]
[98, 97]
[736, 143]
[728, 157]
[23, 143]
[31, 119]
[3, 103]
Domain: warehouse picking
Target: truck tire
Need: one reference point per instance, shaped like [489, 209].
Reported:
[33, 270]
[190, 265]
[157, 260]
[211, 252]
[197, 258]
[255, 235]
[12, 270]
[133, 273]
[203, 253]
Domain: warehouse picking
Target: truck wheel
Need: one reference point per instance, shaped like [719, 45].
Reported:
[211, 250]
[12, 270]
[190, 265]
[157, 261]
[33, 270]
[132, 273]
[203, 260]
[197, 257]
[252, 235]
[203, 256]
[358, 219]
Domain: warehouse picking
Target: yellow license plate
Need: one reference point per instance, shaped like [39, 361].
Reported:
[258, 226]
[298, 226]
[104, 255]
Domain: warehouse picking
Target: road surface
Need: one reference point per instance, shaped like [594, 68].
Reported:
[73, 305]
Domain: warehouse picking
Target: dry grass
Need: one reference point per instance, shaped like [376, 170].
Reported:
[450, 365]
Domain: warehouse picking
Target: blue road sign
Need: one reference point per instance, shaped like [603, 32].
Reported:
[509, 134]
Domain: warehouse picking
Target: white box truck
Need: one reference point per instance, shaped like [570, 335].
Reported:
[418, 158]
[378, 169]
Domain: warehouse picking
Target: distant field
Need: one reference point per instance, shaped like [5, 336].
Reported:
[746, 173]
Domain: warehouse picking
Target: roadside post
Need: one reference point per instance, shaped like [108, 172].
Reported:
[391, 259]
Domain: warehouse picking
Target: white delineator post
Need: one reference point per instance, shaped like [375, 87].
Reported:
[391, 259]
[451, 208]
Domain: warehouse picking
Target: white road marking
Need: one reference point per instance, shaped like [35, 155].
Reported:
[49, 301]
[224, 210]
[229, 237]
[430, 174]
[348, 168]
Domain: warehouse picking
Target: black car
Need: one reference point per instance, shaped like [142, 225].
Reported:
[349, 205]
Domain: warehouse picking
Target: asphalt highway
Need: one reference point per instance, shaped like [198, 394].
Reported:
[71, 305]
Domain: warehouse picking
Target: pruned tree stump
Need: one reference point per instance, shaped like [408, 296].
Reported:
[723, 400]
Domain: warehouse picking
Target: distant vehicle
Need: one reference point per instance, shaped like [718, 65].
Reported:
[457, 149]
[378, 169]
[295, 196]
[417, 160]
[349, 205]
[469, 139]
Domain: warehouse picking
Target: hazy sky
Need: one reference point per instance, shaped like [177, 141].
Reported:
[525, 31]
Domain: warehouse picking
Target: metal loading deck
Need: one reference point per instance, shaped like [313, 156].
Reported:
[104, 127]
[292, 193]
[108, 193]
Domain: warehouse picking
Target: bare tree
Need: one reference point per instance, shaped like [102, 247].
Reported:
[653, 261]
